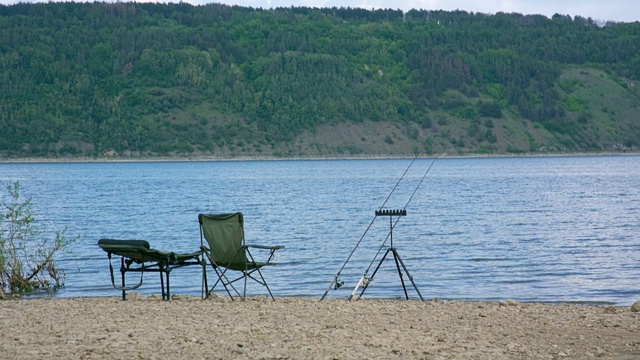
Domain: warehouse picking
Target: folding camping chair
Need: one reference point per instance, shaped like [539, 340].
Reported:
[137, 256]
[227, 250]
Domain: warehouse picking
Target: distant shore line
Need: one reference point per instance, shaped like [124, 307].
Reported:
[211, 158]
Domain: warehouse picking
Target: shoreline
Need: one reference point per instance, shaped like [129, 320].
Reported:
[632, 303]
[248, 158]
[301, 328]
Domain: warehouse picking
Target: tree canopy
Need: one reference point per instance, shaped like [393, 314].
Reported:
[87, 79]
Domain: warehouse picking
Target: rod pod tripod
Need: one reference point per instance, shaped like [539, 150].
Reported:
[396, 256]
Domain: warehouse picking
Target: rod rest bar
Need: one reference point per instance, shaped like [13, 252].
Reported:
[391, 212]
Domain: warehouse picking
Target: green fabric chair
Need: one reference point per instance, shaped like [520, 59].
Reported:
[137, 256]
[226, 250]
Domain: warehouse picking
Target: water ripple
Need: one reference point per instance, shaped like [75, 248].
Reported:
[557, 229]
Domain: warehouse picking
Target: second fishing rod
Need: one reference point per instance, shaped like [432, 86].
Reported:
[336, 282]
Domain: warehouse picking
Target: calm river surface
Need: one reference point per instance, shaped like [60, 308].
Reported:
[550, 229]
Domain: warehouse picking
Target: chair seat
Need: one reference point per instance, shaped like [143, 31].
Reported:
[146, 259]
[248, 266]
[140, 251]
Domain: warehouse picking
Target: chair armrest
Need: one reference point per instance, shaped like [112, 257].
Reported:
[278, 247]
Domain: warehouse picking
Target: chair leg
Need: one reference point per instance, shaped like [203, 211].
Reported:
[264, 281]
[168, 286]
[205, 284]
[221, 279]
[244, 290]
[122, 272]
[162, 284]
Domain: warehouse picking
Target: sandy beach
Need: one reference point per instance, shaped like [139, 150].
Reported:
[306, 328]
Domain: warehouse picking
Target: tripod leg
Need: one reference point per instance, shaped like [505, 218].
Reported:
[375, 271]
[408, 275]
[396, 257]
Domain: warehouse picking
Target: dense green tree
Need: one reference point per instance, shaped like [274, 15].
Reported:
[87, 78]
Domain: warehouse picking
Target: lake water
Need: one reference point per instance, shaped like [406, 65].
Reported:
[550, 229]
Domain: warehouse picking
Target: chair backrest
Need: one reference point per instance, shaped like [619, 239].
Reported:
[225, 235]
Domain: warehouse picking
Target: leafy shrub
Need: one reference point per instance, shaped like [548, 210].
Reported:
[26, 256]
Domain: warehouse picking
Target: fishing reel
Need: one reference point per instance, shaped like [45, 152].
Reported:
[338, 284]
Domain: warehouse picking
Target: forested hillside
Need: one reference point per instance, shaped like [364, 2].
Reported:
[139, 79]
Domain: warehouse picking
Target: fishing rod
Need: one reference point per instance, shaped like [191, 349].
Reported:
[366, 280]
[336, 282]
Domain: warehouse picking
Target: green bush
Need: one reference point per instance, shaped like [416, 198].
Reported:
[27, 261]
